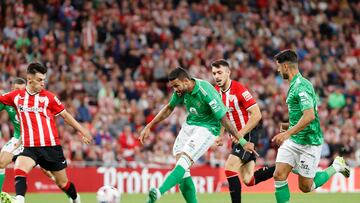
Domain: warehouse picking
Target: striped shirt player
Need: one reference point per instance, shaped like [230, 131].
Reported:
[238, 100]
[36, 109]
[37, 116]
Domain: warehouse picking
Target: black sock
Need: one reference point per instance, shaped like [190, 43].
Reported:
[70, 190]
[235, 189]
[20, 185]
[264, 174]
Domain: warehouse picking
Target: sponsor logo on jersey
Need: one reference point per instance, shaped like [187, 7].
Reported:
[247, 96]
[57, 100]
[30, 109]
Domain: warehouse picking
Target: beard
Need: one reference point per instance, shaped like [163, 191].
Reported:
[285, 76]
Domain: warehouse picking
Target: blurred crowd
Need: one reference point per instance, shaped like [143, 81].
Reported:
[108, 62]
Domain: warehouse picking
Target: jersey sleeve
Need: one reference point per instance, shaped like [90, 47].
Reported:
[212, 97]
[8, 98]
[55, 105]
[2, 106]
[175, 100]
[245, 97]
[304, 96]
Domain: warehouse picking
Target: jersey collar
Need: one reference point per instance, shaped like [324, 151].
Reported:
[196, 87]
[30, 93]
[295, 78]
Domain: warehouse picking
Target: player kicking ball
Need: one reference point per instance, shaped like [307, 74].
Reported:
[300, 143]
[206, 114]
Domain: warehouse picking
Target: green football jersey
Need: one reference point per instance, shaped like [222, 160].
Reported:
[204, 106]
[301, 96]
[13, 118]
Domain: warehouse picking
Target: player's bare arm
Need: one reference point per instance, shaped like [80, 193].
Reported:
[163, 114]
[255, 117]
[219, 141]
[248, 146]
[69, 119]
[284, 127]
[307, 117]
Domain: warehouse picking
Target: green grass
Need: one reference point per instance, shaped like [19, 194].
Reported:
[204, 198]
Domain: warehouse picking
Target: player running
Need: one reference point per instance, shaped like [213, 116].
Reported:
[302, 151]
[244, 113]
[37, 108]
[206, 114]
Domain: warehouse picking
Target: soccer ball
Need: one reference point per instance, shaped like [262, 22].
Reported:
[108, 194]
[6, 198]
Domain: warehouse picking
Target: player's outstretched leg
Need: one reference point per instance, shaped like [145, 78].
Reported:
[261, 175]
[176, 175]
[187, 188]
[339, 166]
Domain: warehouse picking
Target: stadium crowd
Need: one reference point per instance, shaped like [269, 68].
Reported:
[109, 61]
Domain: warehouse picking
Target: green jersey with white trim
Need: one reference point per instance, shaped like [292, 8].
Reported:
[13, 118]
[301, 96]
[203, 104]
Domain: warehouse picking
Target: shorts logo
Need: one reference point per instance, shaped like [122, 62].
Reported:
[247, 96]
[303, 165]
[64, 162]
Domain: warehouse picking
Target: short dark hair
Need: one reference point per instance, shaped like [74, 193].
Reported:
[287, 55]
[18, 81]
[36, 67]
[178, 73]
[220, 62]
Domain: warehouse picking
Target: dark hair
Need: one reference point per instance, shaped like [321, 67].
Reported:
[220, 62]
[18, 81]
[287, 55]
[178, 73]
[36, 67]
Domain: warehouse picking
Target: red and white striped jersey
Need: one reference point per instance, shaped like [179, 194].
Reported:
[237, 99]
[37, 116]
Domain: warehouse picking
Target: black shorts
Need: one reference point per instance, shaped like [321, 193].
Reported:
[49, 158]
[238, 151]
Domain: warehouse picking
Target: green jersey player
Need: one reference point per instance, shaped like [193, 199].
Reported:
[301, 141]
[206, 114]
[13, 146]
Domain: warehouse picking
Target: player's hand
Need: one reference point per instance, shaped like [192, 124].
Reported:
[144, 134]
[86, 136]
[250, 147]
[280, 138]
[234, 139]
[219, 141]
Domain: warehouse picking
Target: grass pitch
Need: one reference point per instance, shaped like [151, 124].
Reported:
[203, 198]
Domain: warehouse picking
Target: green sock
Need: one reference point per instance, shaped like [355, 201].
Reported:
[2, 178]
[322, 177]
[187, 189]
[282, 192]
[174, 178]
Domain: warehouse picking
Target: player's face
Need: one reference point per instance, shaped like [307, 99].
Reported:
[283, 69]
[221, 75]
[37, 81]
[179, 86]
[18, 86]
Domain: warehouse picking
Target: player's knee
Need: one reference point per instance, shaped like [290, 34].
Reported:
[231, 165]
[279, 176]
[2, 165]
[305, 188]
[61, 183]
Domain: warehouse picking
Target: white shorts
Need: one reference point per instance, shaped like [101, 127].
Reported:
[304, 158]
[10, 147]
[193, 140]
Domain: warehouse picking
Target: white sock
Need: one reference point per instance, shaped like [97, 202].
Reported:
[337, 167]
[20, 199]
[313, 187]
